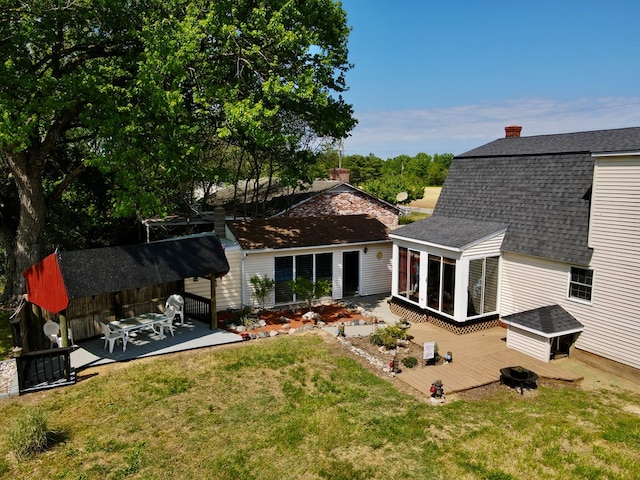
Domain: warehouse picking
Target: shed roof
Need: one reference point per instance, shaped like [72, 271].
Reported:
[63, 276]
[550, 321]
[285, 232]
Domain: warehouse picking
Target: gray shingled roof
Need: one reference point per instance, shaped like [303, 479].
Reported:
[551, 321]
[598, 141]
[540, 186]
[112, 269]
[450, 232]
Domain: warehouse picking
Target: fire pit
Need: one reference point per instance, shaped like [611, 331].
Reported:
[518, 378]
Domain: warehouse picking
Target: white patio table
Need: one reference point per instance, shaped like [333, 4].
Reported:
[138, 322]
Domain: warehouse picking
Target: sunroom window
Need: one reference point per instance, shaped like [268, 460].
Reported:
[581, 283]
[441, 284]
[409, 274]
[483, 286]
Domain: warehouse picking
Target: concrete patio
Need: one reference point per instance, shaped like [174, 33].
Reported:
[193, 334]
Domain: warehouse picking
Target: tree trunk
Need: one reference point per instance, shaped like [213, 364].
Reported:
[26, 248]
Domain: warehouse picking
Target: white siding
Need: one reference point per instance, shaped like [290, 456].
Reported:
[613, 328]
[260, 264]
[612, 319]
[529, 283]
[228, 288]
[529, 343]
[488, 248]
[375, 267]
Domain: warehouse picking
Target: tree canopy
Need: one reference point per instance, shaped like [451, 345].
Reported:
[146, 95]
[387, 178]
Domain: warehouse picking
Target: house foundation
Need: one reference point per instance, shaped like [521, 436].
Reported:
[417, 315]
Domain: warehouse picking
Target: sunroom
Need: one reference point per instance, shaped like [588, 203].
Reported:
[448, 269]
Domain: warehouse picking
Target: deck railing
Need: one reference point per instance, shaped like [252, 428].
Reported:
[197, 307]
[45, 369]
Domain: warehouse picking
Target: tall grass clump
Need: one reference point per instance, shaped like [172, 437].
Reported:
[28, 435]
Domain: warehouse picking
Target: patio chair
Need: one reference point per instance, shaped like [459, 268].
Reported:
[170, 314]
[177, 302]
[112, 336]
[51, 330]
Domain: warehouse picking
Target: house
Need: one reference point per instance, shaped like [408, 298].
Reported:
[352, 252]
[320, 198]
[330, 223]
[541, 233]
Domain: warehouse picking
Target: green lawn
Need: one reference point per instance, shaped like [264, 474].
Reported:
[6, 337]
[293, 408]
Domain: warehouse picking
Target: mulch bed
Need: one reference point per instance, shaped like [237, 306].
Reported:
[279, 319]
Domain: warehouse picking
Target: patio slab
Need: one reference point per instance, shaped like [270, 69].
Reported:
[193, 334]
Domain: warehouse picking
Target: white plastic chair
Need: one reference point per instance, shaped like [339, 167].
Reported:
[51, 330]
[177, 302]
[170, 314]
[112, 336]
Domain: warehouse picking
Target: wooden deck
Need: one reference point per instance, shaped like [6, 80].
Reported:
[477, 360]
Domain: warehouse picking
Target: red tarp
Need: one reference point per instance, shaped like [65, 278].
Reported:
[45, 285]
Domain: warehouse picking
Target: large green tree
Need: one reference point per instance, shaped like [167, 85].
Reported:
[147, 90]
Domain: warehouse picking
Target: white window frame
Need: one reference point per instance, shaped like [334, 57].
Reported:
[588, 286]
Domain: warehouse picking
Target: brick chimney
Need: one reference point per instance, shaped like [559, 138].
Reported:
[513, 131]
[339, 174]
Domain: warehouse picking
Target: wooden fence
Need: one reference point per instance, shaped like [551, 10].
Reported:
[85, 315]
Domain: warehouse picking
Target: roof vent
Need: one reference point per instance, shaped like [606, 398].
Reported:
[513, 131]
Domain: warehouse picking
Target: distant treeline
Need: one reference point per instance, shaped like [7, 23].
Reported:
[387, 178]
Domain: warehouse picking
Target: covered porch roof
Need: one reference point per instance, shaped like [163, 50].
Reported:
[63, 276]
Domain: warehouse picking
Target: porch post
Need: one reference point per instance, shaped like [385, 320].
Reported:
[33, 334]
[214, 307]
[64, 331]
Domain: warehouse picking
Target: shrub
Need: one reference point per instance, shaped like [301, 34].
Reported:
[388, 336]
[409, 362]
[28, 434]
[262, 288]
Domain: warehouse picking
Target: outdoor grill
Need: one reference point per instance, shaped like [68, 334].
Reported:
[518, 378]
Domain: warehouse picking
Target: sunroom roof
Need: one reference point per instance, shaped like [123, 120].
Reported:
[449, 232]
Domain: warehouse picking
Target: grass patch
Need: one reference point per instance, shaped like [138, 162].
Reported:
[28, 434]
[412, 217]
[6, 337]
[297, 407]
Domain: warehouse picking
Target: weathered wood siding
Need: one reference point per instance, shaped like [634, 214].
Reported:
[612, 328]
[526, 342]
[84, 315]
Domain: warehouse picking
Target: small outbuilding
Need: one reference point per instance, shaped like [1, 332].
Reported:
[85, 287]
[544, 333]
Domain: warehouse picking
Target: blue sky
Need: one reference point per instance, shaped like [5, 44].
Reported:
[440, 76]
